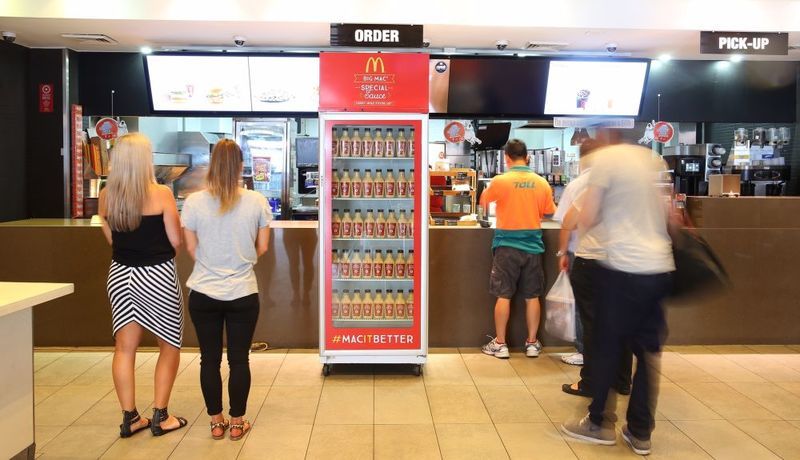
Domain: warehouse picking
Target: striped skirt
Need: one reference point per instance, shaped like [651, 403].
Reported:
[149, 296]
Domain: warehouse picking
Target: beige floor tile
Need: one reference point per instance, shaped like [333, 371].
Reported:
[723, 440]
[470, 441]
[679, 370]
[534, 441]
[488, 370]
[108, 412]
[144, 445]
[723, 368]
[443, 350]
[456, 404]
[399, 381]
[68, 404]
[99, 374]
[255, 400]
[729, 349]
[771, 349]
[727, 402]
[186, 401]
[45, 358]
[511, 404]
[446, 369]
[80, 442]
[558, 405]
[301, 369]
[767, 366]
[42, 392]
[197, 444]
[345, 377]
[67, 368]
[412, 442]
[688, 349]
[398, 405]
[774, 398]
[573, 373]
[264, 367]
[276, 441]
[290, 405]
[791, 387]
[345, 442]
[346, 405]
[538, 371]
[145, 371]
[675, 403]
[44, 434]
[670, 443]
[586, 451]
[781, 437]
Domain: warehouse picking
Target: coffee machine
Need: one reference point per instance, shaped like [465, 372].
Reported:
[688, 166]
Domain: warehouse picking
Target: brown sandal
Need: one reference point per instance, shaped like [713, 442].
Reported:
[244, 427]
[224, 424]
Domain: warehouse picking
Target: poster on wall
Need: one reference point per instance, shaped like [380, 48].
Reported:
[76, 115]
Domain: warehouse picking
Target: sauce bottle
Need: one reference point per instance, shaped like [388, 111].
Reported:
[336, 224]
[335, 304]
[400, 305]
[410, 304]
[367, 305]
[410, 185]
[380, 225]
[347, 225]
[388, 305]
[366, 265]
[344, 305]
[344, 266]
[358, 225]
[377, 265]
[377, 305]
[411, 225]
[369, 145]
[390, 186]
[402, 184]
[380, 145]
[391, 146]
[400, 265]
[402, 144]
[402, 225]
[335, 184]
[410, 264]
[356, 184]
[345, 185]
[388, 265]
[335, 143]
[378, 190]
[367, 184]
[369, 225]
[411, 144]
[345, 145]
[355, 305]
[355, 265]
[335, 264]
[357, 150]
[391, 226]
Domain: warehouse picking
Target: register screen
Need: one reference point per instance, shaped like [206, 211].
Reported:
[595, 88]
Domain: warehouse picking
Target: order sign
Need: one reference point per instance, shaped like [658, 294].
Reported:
[373, 82]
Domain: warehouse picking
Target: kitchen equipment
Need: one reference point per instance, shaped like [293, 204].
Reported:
[758, 137]
[772, 137]
[688, 173]
[740, 136]
[784, 135]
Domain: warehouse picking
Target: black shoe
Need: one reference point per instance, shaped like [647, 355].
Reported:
[567, 388]
[161, 415]
[128, 419]
[624, 390]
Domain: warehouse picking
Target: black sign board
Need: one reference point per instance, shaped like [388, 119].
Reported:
[763, 43]
[376, 35]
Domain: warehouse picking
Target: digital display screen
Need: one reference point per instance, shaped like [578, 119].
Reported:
[284, 84]
[595, 88]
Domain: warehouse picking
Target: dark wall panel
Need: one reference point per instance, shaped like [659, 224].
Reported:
[100, 73]
[13, 85]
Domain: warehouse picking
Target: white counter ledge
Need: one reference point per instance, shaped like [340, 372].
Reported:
[19, 296]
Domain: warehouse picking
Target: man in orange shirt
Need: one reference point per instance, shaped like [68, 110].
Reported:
[522, 198]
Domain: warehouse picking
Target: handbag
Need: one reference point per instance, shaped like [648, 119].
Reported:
[697, 269]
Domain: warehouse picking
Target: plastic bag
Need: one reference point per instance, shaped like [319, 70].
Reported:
[560, 309]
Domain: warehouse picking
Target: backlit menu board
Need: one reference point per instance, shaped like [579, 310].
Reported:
[284, 84]
[199, 83]
[595, 87]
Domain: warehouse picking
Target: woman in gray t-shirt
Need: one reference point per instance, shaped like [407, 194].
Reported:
[226, 229]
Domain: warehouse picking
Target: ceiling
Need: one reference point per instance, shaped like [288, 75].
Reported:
[133, 34]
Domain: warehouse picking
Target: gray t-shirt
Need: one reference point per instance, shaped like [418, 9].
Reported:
[226, 250]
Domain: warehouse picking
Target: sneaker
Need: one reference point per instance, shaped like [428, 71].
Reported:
[575, 359]
[532, 350]
[498, 350]
[585, 430]
[638, 446]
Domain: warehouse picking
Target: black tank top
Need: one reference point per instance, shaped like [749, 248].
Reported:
[147, 245]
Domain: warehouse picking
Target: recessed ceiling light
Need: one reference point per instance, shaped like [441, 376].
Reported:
[664, 58]
[723, 64]
[146, 50]
[736, 58]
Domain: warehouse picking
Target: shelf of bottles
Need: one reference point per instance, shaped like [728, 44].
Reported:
[372, 226]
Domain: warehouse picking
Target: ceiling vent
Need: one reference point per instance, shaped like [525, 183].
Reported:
[545, 46]
[102, 39]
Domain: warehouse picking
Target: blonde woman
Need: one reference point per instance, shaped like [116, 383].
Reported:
[141, 223]
[226, 229]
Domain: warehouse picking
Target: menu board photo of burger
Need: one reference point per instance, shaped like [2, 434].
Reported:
[284, 84]
[199, 83]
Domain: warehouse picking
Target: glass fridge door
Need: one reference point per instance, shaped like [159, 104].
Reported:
[265, 147]
[373, 226]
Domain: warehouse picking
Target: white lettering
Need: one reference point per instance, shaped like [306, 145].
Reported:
[723, 42]
[395, 36]
[359, 35]
[764, 43]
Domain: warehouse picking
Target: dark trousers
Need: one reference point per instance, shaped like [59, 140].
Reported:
[585, 288]
[629, 312]
[238, 317]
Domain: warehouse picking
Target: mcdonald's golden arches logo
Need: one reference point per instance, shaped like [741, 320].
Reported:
[375, 61]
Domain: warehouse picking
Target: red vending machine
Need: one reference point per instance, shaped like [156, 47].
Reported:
[373, 215]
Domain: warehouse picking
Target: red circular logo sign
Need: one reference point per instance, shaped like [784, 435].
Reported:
[107, 128]
[454, 132]
[663, 132]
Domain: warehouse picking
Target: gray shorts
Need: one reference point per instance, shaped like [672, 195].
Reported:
[516, 271]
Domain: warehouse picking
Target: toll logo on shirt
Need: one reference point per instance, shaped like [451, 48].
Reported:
[525, 185]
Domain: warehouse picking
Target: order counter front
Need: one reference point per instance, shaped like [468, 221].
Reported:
[757, 239]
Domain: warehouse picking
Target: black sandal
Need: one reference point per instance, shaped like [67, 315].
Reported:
[128, 419]
[161, 415]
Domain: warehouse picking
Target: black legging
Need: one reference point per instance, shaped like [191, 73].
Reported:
[238, 317]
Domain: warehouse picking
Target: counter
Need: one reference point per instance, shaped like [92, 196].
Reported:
[760, 248]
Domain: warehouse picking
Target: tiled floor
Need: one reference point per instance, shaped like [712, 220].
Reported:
[724, 402]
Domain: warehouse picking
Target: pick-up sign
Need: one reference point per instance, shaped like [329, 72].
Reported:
[763, 43]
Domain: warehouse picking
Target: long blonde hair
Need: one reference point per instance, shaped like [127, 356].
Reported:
[128, 182]
[224, 172]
